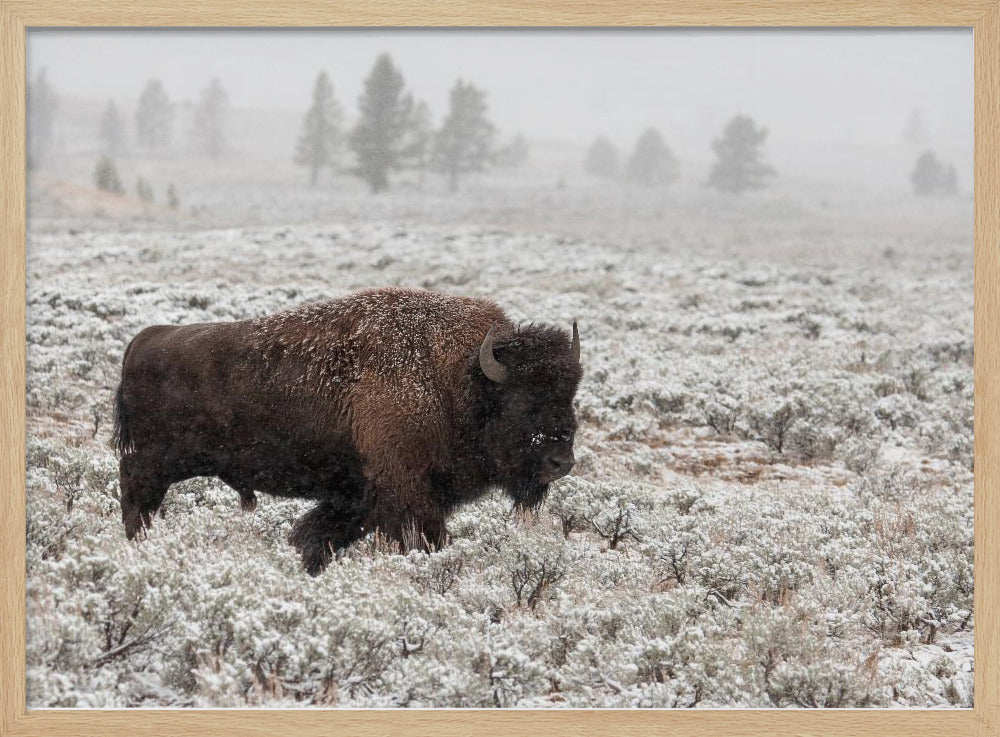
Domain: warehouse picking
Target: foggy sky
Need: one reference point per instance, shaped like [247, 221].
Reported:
[805, 85]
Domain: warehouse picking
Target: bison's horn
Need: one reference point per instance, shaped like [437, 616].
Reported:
[494, 370]
[575, 348]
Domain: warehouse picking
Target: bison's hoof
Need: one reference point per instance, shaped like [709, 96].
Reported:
[248, 503]
[315, 559]
[136, 525]
[316, 552]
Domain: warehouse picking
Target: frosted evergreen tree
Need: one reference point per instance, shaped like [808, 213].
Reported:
[739, 167]
[603, 159]
[208, 129]
[154, 117]
[320, 139]
[652, 163]
[915, 130]
[143, 191]
[42, 105]
[379, 139]
[514, 154]
[419, 137]
[463, 143]
[949, 185]
[173, 201]
[106, 176]
[112, 129]
[930, 176]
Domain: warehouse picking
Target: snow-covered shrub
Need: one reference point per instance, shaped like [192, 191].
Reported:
[788, 656]
[535, 568]
[614, 512]
[720, 412]
[443, 568]
[771, 421]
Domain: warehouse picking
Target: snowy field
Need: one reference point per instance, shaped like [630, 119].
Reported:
[772, 505]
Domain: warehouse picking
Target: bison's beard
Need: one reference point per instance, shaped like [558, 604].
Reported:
[527, 494]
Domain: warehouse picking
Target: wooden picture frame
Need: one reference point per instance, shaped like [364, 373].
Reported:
[18, 15]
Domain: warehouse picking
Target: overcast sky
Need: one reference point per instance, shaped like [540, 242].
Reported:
[561, 84]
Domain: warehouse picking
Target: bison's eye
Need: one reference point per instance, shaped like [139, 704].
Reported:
[551, 437]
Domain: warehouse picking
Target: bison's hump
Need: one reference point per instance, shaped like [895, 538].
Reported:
[413, 338]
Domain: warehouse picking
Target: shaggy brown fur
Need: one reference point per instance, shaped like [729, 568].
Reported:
[375, 405]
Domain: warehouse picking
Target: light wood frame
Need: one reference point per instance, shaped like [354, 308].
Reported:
[981, 15]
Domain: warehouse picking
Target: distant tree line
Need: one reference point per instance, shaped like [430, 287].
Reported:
[107, 179]
[738, 166]
[154, 128]
[394, 133]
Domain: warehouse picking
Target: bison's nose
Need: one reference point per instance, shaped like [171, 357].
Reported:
[557, 466]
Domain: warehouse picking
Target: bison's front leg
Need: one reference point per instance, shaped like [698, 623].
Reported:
[422, 531]
[322, 531]
[402, 505]
[428, 534]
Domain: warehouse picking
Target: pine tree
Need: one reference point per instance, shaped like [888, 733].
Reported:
[418, 140]
[514, 154]
[915, 131]
[112, 130]
[143, 191]
[42, 103]
[603, 159]
[739, 167]
[463, 143]
[320, 139]
[173, 202]
[652, 163]
[154, 117]
[949, 184]
[106, 176]
[930, 176]
[208, 131]
[378, 140]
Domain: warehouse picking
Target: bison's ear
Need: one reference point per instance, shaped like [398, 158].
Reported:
[575, 348]
[494, 370]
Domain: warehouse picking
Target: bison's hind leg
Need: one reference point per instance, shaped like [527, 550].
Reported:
[142, 493]
[320, 532]
[248, 499]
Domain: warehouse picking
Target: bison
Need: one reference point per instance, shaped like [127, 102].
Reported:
[388, 407]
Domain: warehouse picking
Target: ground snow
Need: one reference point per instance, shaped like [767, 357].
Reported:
[772, 506]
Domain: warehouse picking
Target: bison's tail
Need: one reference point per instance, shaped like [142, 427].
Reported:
[121, 434]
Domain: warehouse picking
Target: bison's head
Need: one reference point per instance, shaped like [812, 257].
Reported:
[528, 378]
